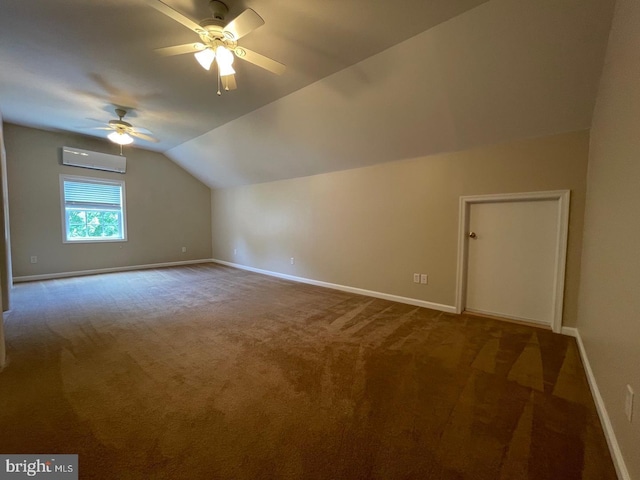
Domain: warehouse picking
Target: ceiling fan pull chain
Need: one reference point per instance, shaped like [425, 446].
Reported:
[218, 75]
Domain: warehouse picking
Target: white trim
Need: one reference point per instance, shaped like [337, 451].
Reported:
[609, 433]
[80, 273]
[100, 180]
[508, 317]
[344, 288]
[569, 332]
[562, 197]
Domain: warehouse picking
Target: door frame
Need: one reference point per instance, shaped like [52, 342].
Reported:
[562, 197]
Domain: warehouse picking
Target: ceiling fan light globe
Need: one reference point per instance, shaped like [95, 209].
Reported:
[224, 57]
[120, 138]
[205, 58]
[226, 70]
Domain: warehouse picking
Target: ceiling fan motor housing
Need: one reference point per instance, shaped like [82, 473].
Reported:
[120, 125]
[213, 34]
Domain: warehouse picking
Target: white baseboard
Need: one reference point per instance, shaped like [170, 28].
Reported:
[79, 273]
[344, 288]
[570, 332]
[612, 441]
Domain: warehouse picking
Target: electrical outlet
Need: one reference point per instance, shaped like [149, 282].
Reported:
[293, 260]
[184, 249]
[628, 403]
[416, 278]
[424, 278]
[235, 251]
[34, 259]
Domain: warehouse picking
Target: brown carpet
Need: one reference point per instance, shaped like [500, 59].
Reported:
[208, 372]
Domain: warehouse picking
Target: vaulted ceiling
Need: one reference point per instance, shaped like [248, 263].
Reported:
[366, 81]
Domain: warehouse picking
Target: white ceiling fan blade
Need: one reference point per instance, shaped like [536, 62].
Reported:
[143, 136]
[180, 49]
[229, 82]
[95, 128]
[175, 15]
[260, 60]
[244, 23]
[145, 131]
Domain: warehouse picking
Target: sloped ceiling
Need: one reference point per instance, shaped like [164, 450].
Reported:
[65, 64]
[505, 70]
[367, 82]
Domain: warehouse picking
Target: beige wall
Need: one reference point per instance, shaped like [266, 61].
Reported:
[4, 246]
[167, 208]
[609, 308]
[5, 236]
[373, 227]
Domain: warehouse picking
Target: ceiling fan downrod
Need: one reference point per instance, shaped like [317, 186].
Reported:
[218, 10]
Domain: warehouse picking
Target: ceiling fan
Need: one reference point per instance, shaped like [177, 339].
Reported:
[219, 41]
[123, 132]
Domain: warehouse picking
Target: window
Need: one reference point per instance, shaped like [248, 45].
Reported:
[93, 209]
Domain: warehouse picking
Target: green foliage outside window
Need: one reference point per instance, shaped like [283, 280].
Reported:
[93, 224]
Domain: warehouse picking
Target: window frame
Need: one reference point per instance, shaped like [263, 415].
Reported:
[63, 209]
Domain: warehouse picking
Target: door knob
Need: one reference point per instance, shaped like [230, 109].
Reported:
[472, 235]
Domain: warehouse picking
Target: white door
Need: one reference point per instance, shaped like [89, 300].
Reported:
[512, 259]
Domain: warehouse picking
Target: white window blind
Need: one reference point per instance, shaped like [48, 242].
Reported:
[98, 195]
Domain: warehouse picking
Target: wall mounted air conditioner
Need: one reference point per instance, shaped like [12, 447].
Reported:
[76, 157]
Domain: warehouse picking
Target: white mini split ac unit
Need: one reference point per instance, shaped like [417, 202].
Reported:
[76, 157]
